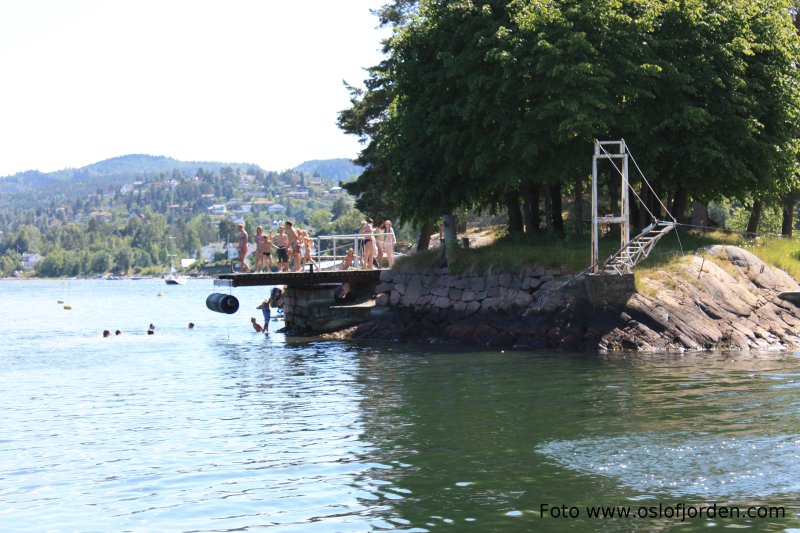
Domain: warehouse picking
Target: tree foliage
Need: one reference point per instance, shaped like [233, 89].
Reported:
[478, 101]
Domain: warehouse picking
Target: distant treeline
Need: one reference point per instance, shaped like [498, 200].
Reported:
[137, 225]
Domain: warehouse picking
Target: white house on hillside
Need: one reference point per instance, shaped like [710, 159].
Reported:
[208, 251]
[29, 260]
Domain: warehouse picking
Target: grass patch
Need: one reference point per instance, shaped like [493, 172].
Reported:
[511, 253]
[673, 245]
[782, 253]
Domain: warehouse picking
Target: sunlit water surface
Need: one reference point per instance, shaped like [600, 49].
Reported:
[219, 428]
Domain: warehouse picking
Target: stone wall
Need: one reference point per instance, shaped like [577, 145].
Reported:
[312, 310]
[524, 309]
[725, 298]
[468, 293]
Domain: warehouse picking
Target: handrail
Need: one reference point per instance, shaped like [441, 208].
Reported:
[330, 255]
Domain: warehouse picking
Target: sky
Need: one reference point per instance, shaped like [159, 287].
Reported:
[235, 81]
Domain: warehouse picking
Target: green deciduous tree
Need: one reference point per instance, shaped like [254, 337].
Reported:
[480, 103]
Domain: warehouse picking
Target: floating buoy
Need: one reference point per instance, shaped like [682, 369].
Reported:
[222, 303]
[61, 301]
[67, 307]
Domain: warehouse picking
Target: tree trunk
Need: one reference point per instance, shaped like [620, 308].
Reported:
[614, 195]
[755, 218]
[654, 201]
[548, 210]
[577, 205]
[699, 214]
[635, 214]
[787, 224]
[514, 214]
[449, 223]
[530, 194]
[680, 202]
[450, 240]
[643, 218]
[425, 233]
[557, 222]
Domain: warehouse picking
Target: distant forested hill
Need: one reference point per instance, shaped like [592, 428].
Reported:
[338, 170]
[28, 188]
[32, 188]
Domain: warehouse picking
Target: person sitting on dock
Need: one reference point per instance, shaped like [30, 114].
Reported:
[256, 325]
[347, 263]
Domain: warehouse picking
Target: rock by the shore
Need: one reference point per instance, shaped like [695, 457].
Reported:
[725, 298]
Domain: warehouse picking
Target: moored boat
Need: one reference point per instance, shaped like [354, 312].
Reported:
[173, 278]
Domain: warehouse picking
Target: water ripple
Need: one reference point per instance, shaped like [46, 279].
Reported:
[709, 466]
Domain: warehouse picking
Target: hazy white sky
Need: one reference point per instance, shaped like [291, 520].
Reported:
[256, 81]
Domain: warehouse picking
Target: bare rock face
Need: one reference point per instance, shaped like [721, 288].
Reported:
[723, 298]
[726, 298]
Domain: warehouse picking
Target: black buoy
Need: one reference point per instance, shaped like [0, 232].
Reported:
[222, 303]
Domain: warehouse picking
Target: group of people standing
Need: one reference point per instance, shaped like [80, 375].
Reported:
[376, 243]
[292, 249]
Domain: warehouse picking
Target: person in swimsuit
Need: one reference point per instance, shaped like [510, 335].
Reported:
[347, 264]
[282, 245]
[308, 244]
[244, 239]
[389, 240]
[369, 245]
[256, 325]
[294, 246]
[379, 237]
[269, 246]
[261, 246]
[265, 311]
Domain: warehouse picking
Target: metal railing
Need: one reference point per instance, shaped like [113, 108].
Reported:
[331, 250]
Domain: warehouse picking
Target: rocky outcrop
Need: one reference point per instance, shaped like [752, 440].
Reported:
[724, 298]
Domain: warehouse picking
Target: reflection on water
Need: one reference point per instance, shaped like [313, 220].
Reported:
[219, 428]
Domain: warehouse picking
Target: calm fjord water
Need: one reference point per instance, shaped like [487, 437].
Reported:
[219, 428]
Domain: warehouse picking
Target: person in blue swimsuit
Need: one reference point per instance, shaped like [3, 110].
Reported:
[266, 312]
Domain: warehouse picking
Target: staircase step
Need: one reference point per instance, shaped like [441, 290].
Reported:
[638, 248]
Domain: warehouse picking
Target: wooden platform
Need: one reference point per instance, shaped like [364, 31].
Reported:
[301, 279]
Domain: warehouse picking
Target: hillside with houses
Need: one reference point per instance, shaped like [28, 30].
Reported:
[138, 220]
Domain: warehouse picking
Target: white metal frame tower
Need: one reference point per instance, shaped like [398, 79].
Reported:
[610, 150]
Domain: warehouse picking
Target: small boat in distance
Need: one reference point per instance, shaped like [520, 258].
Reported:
[173, 278]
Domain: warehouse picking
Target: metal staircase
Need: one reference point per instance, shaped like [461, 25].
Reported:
[637, 249]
